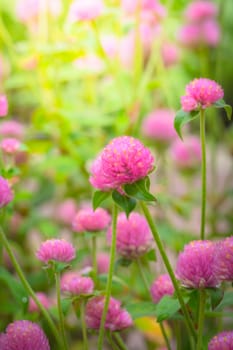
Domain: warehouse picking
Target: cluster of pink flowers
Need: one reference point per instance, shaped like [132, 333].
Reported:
[124, 160]
[24, 335]
[160, 287]
[116, 320]
[201, 93]
[186, 154]
[89, 220]
[85, 10]
[222, 341]
[57, 250]
[202, 27]
[3, 106]
[134, 237]
[6, 194]
[78, 285]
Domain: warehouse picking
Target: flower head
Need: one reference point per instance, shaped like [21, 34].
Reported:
[10, 145]
[222, 341]
[160, 287]
[85, 10]
[65, 211]
[170, 54]
[186, 154]
[3, 106]
[79, 286]
[204, 92]
[43, 298]
[124, 160]
[24, 335]
[56, 249]
[200, 10]
[224, 259]
[117, 318]
[196, 265]
[198, 34]
[6, 194]
[12, 128]
[90, 220]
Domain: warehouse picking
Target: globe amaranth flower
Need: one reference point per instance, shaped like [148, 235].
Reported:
[134, 237]
[24, 335]
[57, 250]
[193, 35]
[6, 194]
[79, 286]
[44, 300]
[224, 259]
[89, 220]
[186, 154]
[196, 265]
[10, 145]
[12, 128]
[116, 319]
[160, 287]
[124, 160]
[3, 106]
[85, 10]
[222, 341]
[201, 93]
[200, 10]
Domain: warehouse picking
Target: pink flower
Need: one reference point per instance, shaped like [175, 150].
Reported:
[56, 249]
[65, 211]
[116, 320]
[42, 297]
[10, 145]
[150, 6]
[196, 265]
[67, 277]
[160, 287]
[224, 259]
[200, 10]
[110, 45]
[170, 54]
[79, 286]
[24, 335]
[28, 10]
[222, 341]
[6, 194]
[158, 125]
[3, 106]
[12, 128]
[85, 10]
[211, 33]
[186, 154]
[124, 160]
[90, 220]
[204, 91]
[90, 63]
[103, 261]
[134, 237]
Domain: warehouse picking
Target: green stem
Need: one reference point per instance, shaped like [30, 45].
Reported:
[119, 341]
[28, 287]
[203, 174]
[110, 276]
[111, 341]
[84, 328]
[201, 316]
[94, 259]
[60, 312]
[163, 254]
[178, 335]
[165, 335]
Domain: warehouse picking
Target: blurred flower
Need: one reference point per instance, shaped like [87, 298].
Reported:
[197, 34]
[103, 261]
[29, 10]
[116, 320]
[12, 128]
[90, 220]
[199, 10]
[222, 341]
[124, 160]
[56, 249]
[65, 211]
[152, 7]
[6, 194]
[160, 287]
[79, 286]
[85, 10]
[10, 145]
[134, 237]
[67, 277]
[110, 45]
[90, 63]
[186, 154]
[211, 33]
[196, 265]
[170, 54]
[43, 298]
[3, 106]
[224, 259]
[24, 335]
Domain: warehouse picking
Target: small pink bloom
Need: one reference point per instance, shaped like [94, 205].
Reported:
[6, 195]
[211, 33]
[124, 160]
[188, 103]
[170, 54]
[79, 286]
[10, 145]
[116, 320]
[160, 287]
[186, 154]
[196, 265]
[90, 220]
[190, 35]
[103, 261]
[110, 45]
[67, 277]
[224, 259]
[85, 10]
[222, 341]
[134, 237]
[3, 106]
[65, 211]
[12, 128]
[200, 10]
[25, 335]
[42, 297]
[56, 249]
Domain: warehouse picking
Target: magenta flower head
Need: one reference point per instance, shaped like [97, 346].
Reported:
[90, 220]
[43, 298]
[67, 277]
[10, 145]
[79, 286]
[201, 93]
[85, 10]
[196, 265]
[3, 106]
[116, 320]
[201, 10]
[124, 160]
[160, 287]
[12, 128]
[224, 260]
[222, 341]
[57, 250]
[186, 154]
[24, 335]
[134, 237]
[6, 194]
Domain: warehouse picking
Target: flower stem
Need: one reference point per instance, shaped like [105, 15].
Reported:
[28, 287]
[119, 341]
[110, 276]
[203, 174]
[84, 328]
[94, 259]
[201, 317]
[60, 312]
[187, 318]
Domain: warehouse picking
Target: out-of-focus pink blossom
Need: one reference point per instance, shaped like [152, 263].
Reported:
[89, 220]
[56, 249]
[103, 261]
[222, 341]
[43, 298]
[29, 10]
[79, 286]
[186, 154]
[85, 10]
[197, 34]
[89, 63]
[200, 10]
[6, 194]
[110, 44]
[146, 6]
[67, 277]
[211, 33]
[170, 54]
[10, 145]
[3, 106]
[12, 128]
[224, 259]
[65, 211]
[160, 287]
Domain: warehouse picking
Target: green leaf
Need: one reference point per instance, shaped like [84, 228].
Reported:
[126, 203]
[98, 198]
[151, 255]
[226, 301]
[183, 118]
[167, 307]
[222, 104]
[216, 296]
[141, 309]
[140, 190]
[123, 262]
